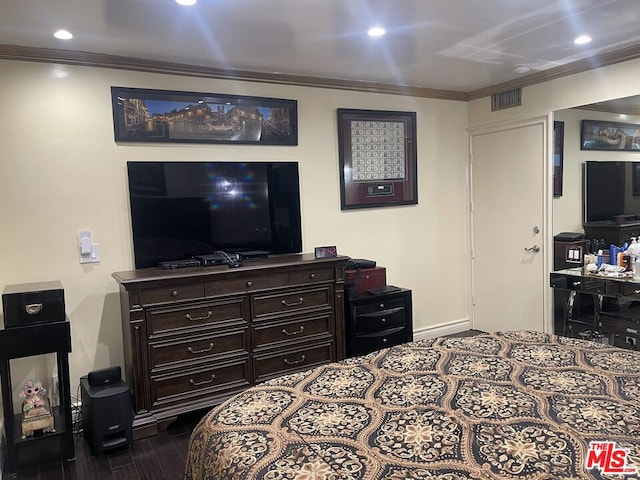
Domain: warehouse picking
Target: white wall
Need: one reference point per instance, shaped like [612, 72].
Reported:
[567, 209]
[61, 171]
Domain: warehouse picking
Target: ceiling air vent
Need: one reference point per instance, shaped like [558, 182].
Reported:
[508, 99]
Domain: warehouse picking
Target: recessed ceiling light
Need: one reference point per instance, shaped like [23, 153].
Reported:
[376, 31]
[186, 3]
[582, 39]
[521, 69]
[63, 35]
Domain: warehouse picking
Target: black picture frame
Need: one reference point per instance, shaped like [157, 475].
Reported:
[167, 116]
[378, 158]
[635, 178]
[558, 157]
[606, 135]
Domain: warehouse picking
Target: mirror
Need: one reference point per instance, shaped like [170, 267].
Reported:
[567, 208]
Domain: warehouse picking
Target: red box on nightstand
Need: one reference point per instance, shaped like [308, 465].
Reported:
[365, 278]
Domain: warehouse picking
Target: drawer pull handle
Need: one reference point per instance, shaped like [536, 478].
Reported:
[295, 362]
[312, 276]
[203, 382]
[636, 292]
[293, 333]
[191, 350]
[33, 308]
[382, 305]
[174, 293]
[249, 284]
[293, 304]
[384, 320]
[384, 340]
[195, 319]
[575, 284]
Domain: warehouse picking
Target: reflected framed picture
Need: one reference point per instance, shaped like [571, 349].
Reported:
[378, 158]
[605, 135]
[558, 155]
[165, 116]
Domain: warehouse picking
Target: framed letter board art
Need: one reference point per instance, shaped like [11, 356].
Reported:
[377, 151]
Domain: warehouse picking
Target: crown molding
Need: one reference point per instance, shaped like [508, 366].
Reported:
[99, 60]
[579, 66]
[596, 107]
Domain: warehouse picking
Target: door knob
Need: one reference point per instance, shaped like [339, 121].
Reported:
[534, 249]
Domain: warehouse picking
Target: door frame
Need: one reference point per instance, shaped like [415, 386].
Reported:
[547, 208]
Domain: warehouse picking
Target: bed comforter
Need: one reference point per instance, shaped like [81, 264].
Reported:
[509, 405]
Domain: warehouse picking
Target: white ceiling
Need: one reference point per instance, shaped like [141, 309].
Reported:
[460, 45]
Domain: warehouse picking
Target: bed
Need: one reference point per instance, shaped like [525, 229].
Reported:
[494, 406]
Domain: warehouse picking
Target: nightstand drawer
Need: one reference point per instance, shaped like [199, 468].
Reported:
[375, 341]
[381, 320]
[378, 303]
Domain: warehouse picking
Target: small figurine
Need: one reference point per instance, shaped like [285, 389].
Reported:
[32, 393]
[36, 414]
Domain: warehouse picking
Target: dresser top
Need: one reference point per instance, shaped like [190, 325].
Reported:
[286, 261]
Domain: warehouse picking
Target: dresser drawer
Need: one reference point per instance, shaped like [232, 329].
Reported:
[195, 349]
[272, 334]
[269, 366]
[186, 386]
[630, 290]
[318, 298]
[375, 341]
[173, 320]
[175, 293]
[246, 284]
[381, 320]
[311, 276]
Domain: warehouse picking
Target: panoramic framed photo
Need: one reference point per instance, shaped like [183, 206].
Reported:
[378, 158]
[605, 135]
[146, 115]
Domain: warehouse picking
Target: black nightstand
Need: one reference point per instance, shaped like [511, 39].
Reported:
[377, 321]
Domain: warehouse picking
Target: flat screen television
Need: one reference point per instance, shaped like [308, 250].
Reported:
[611, 191]
[180, 210]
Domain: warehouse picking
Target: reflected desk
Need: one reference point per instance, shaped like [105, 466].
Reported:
[602, 308]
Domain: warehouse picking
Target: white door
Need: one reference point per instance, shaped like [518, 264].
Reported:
[508, 227]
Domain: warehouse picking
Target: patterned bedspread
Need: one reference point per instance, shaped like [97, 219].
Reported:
[495, 406]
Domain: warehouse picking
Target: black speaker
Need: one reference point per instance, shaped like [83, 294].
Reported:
[107, 414]
[105, 376]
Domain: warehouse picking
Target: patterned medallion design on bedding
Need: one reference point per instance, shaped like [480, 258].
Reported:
[508, 405]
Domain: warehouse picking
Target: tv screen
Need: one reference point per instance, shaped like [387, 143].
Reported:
[611, 191]
[184, 209]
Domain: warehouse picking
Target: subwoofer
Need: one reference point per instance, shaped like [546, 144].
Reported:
[107, 413]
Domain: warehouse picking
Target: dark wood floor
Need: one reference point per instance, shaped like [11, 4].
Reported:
[162, 457]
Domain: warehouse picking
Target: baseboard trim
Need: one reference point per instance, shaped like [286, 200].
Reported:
[442, 329]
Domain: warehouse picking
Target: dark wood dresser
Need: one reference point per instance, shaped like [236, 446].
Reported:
[195, 336]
